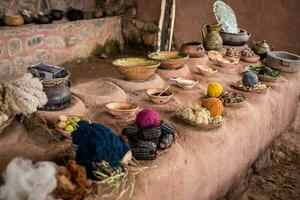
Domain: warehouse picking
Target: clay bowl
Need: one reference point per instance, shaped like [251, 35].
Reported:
[184, 83]
[193, 49]
[122, 110]
[214, 55]
[226, 62]
[169, 59]
[136, 69]
[235, 39]
[164, 98]
[283, 61]
[13, 20]
[253, 59]
[205, 70]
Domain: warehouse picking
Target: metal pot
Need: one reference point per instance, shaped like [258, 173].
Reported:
[59, 95]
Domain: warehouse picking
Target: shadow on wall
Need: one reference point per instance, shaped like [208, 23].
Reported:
[276, 21]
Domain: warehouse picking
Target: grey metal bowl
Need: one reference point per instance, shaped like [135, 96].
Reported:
[283, 61]
[235, 39]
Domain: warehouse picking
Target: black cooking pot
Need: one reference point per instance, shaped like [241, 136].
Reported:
[43, 19]
[57, 14]
[74, 14]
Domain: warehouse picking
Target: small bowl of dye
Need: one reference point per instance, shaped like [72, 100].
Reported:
[226, 62]
[122, 110]
[205, 70]
[156, 97]
[184, 83]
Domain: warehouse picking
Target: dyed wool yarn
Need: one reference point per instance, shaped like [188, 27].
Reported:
[250, 79]
[214, 89]
[214, 106]
[97, 143]
[147, 118]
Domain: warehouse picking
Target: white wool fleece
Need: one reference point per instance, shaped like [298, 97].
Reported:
[25, 181]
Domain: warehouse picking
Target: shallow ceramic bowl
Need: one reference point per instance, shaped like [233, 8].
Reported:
[136, 69]
[226, 62]
[122, 110]
[153, 95]
[214, 55]
[205, 70]
[253, 59]
[235, 39]
[185, 83]
[170, 59]
[283, 61]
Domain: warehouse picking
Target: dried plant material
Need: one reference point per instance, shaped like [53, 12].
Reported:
[72, 183]
[115, 183]
[27, 94]
[232, 98]
[24, 180]
[4, 97]
[257, 88]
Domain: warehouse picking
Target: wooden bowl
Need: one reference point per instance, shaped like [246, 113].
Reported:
[253, 59]
[122, 110]
[205, 70]
[164, 98]
[136, 69]
[184, 83]
[214, 55]
[170, 59]
[226, 62]
[66, 133]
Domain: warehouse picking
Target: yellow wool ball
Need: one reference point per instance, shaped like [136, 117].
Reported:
[214, 105]
[214, 89]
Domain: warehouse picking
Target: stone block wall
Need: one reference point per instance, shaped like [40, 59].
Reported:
[53, 43]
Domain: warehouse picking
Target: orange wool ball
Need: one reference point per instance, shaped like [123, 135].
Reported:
[214, 106]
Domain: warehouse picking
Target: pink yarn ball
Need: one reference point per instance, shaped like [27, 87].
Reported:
[147, 118]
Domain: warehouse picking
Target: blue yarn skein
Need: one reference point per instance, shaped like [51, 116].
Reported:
[96, 143]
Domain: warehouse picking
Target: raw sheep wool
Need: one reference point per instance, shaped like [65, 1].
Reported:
[25, 180]
[250, 79]
[214, 106]
[147, 118]
[214, 89]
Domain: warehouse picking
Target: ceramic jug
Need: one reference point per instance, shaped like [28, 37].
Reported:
[260, 47]
[212, 39]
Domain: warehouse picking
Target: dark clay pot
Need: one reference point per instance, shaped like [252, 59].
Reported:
[74, 14]
[57, 14]
[235, 39]
[27, 19]
[59, 96]
[43, 19]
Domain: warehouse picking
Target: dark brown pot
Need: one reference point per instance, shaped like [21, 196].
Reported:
[235, 39]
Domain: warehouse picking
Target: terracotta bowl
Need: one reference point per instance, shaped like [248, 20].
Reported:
[136, 69]
[226, 62]
[253, 59]
[169, 59]
[194, 49]
[164, 98]
[122, 110]
[184, 83]
[214, 55]
[235, 39]
[205, 70]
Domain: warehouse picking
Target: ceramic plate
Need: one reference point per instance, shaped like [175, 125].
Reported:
[225, 16]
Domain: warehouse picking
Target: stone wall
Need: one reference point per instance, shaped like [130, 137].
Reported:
[53, 43]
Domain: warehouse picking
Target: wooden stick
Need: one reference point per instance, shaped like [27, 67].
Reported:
[172, 25]
[161, 20]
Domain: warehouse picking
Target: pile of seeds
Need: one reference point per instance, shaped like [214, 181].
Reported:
[229, 98]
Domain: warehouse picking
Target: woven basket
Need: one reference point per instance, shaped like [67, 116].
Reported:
[266, 78]
[7, 123]
[66, 133]
[57, 81]
[238, 86]
[203, 126]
